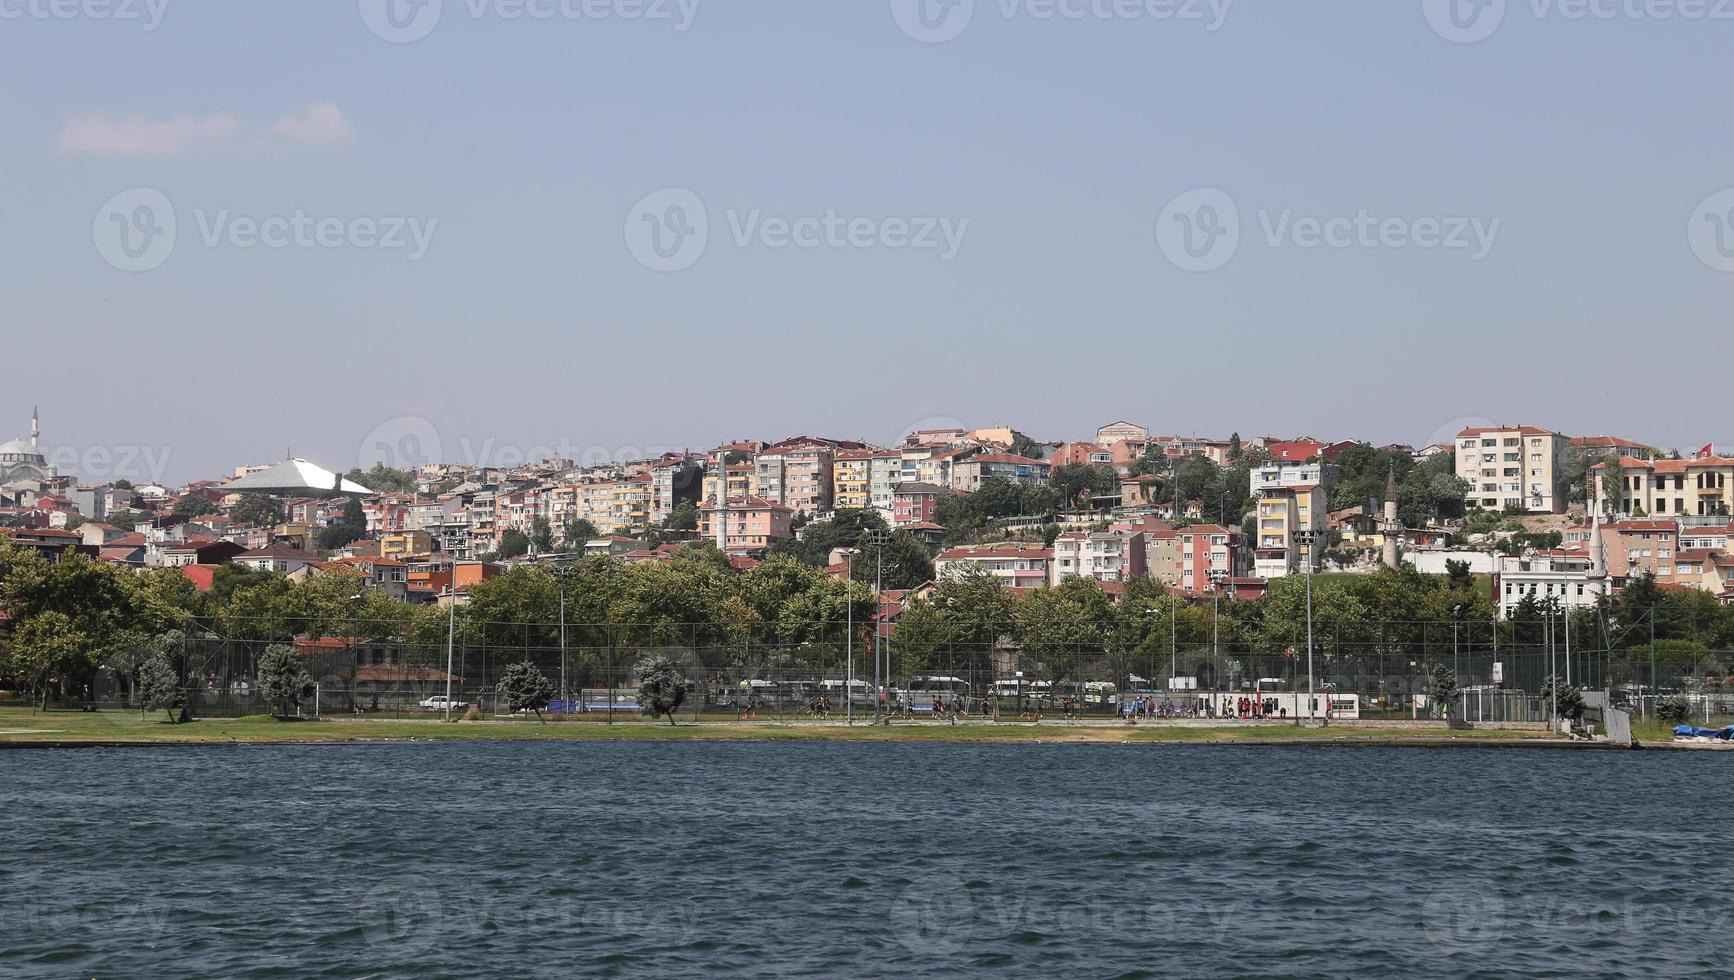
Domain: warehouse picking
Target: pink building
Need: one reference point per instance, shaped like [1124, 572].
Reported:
[753, 523]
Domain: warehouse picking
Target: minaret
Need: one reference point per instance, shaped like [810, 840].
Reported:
[722, 501]
[35, 431]
[1393, 529]
[1598, 554]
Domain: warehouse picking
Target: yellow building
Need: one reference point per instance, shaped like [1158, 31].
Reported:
[852, 479]
[399, 545]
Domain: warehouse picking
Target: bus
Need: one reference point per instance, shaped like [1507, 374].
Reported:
[1290, 704]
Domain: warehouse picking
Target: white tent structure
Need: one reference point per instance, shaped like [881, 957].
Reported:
[296, 478]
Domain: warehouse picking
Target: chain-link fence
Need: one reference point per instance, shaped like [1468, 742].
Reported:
[1164, 675]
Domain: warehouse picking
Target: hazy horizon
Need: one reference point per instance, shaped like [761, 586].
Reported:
[637, 225]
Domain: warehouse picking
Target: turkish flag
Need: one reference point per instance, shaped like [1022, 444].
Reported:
[1707, 451]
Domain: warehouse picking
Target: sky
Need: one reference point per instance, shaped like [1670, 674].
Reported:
[481, 230]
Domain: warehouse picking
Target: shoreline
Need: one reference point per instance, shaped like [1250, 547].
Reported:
[104, 730]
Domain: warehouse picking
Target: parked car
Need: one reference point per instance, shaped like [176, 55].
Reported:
[438, 703]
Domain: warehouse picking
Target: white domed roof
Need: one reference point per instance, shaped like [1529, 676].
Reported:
[17, 447]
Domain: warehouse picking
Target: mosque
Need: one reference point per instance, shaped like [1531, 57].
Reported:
[20, 460]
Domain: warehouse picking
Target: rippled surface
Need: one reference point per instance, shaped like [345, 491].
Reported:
[830, 859]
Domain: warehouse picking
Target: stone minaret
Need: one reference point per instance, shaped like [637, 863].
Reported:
[35, 431]
[1393, 528]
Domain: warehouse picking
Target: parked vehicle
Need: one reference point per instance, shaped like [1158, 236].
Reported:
[438, 703]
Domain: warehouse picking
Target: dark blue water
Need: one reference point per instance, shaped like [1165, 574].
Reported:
[848, 860]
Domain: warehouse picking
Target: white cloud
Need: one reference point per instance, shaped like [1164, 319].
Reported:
[322, 125]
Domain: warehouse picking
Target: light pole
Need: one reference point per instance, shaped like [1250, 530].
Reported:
[451, 633]
[1305, 539]
[880, 681]
[1216, 575]
[561, 574]
[1456, 662]
[849, 633]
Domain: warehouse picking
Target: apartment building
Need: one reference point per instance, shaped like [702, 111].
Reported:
[1548, 576]
[884, 473]
[1514, 468]
[1205, 548]
[753, 523]
[675, 478]
[916, 503]
[797, 474]
[404, 544]
[1639, 547]
[1702, 487]
[852, 479]
[740, 482]
[968, 475]
[1105, 556]
[1291, 497]
[1015, 564]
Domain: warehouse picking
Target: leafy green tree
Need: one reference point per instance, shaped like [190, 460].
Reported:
[160, 687]
[1023, 445]
[352, 527]
[1673, 708]
[1570, 699]
[542, 535]
[194, 505]
[684, 517]
[126, 520]
[576, 534]
[384, 479]
[661, 687]
[283, 680]
[46, 647]
[524, 686]
[1066, 626]
[513, 544]
[257, 510]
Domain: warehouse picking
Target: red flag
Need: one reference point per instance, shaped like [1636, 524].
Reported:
[1707, 451]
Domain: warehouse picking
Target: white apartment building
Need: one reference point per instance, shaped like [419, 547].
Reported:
[1015, 565]
[1514, 467]
[1562, 576]
[1106, 556]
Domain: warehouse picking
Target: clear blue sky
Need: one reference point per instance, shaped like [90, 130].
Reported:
[530, 322]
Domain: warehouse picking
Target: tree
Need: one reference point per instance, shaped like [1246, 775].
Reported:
[684, 517]
[542, 535]
[577, 533]
[194, 505]
[160, 687]
[1023, 445]
[1442, 688]
[126, 520]
[512, 544]
[384, 479]
[257, 510]
[661, 687]
[1673, 708]
[1570, 699]
[282, 679]
[524, 686]
[351, 528]
[47, 646]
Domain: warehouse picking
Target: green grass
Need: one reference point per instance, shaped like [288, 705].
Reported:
[21, 725]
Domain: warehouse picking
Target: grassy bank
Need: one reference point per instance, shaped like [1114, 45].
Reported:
[23, 726]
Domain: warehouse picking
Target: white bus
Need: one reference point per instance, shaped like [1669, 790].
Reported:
[1289, 705]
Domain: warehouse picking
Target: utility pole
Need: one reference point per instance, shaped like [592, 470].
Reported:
[881, 681]
[1305, 539]
[849, 632]
[451, 633]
